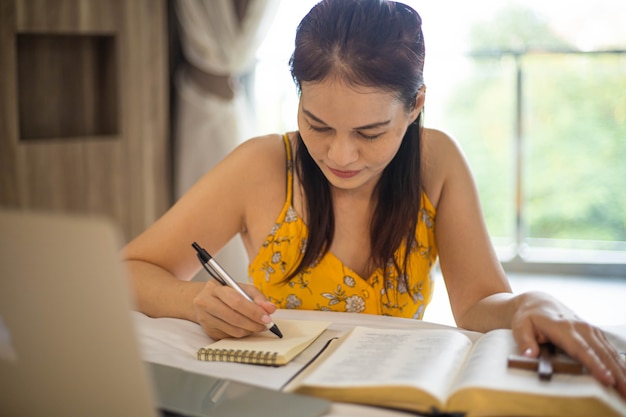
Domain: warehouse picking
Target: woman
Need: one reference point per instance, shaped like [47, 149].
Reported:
[350, 212]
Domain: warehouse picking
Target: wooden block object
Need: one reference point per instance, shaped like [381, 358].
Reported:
[84, 108]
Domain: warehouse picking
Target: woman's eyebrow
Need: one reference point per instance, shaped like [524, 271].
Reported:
[314, 117]
[373, 125]
[364, 127]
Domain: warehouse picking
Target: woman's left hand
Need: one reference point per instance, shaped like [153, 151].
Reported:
[540, 318]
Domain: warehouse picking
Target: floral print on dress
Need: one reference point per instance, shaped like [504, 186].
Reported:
[328, 284]
[428, 217]
[352, 303]
[293, 301]
[349, 281]
[335, 297]
[355, 304]
[268, 270]
[291, 216]
[300, 281]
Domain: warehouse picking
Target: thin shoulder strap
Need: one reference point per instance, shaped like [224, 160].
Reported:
[289, 168]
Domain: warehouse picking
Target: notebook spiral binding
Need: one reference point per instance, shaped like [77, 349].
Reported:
[237, 355]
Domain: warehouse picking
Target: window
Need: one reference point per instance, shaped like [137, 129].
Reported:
[535, 92]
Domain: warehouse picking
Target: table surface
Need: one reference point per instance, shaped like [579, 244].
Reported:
[174, 342]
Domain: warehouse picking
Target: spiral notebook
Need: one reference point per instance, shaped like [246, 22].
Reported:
[266, 348]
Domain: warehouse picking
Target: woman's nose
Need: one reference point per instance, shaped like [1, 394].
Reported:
[343, 151]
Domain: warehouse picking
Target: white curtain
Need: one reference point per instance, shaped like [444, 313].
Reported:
[220, 43]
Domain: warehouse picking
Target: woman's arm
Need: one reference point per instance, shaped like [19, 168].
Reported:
[480, 295]
[161, 260]
[470, 267]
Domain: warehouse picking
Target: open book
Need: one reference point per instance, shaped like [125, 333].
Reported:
[439, 370]
[266, 348]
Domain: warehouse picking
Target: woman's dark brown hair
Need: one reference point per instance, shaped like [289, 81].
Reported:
[372, 43]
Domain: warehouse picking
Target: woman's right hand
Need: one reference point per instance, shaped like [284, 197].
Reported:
[223, 312]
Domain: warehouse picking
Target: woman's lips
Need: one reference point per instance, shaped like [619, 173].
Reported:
[343, 174]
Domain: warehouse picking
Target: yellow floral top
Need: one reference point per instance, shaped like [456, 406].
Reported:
[332, 286]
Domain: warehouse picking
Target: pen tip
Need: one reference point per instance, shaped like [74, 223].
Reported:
[274, 329]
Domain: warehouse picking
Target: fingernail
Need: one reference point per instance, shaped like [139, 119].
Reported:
[610, 377]
[266, 319]
[528, 352]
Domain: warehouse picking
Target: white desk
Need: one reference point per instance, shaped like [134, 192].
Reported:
[174, 342]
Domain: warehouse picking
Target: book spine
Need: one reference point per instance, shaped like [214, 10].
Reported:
[239, 356]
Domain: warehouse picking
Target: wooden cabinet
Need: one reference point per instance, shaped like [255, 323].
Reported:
[84, 108]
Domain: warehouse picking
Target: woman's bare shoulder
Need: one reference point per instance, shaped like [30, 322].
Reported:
[262, 147]
[253, 168]
[437, 143]
[441, 157]
[259, 161]
[254, 158]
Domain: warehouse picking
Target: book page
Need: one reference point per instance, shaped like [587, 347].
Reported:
[486, 372]
[428, 359]
[297, 335]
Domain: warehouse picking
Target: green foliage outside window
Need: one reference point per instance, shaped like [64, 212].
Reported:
[573, 133]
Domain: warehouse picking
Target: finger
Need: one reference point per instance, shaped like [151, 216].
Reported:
[620, 376]
[270, 308]
[249, 310]
[526, 339]
[217, 329]
[591, 359]
[260, 299]
[218, 308]
[588, 345]
[236, 317]
[253, 292]
[614, 361]
[215, 334]
[591, 347]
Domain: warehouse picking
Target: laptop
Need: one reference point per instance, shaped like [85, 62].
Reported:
[68, 346]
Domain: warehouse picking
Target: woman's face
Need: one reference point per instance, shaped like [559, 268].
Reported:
[352, 133]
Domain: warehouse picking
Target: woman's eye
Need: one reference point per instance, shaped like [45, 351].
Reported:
[320, 129]
[369, 137]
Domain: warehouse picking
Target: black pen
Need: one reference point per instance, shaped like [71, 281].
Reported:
[216, 271]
